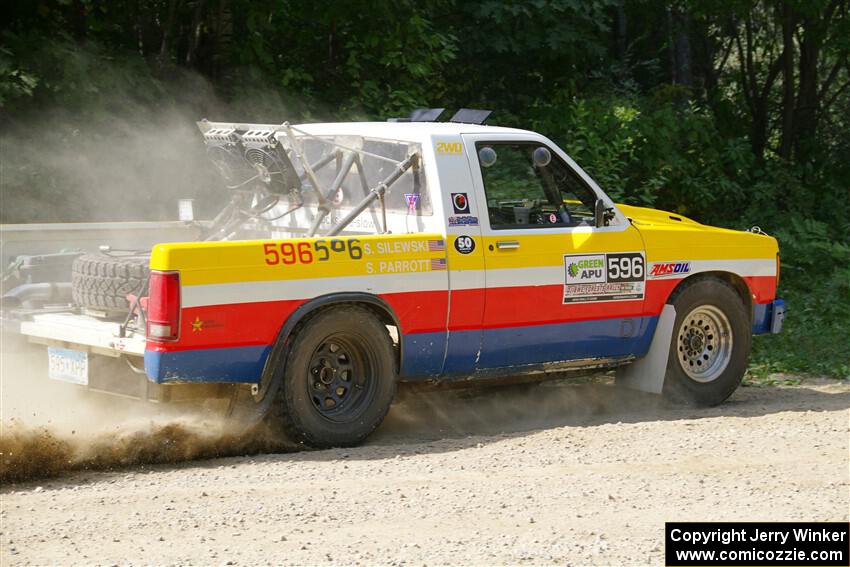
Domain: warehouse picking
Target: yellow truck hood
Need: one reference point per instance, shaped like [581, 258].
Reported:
[670, 236]
[644, 215]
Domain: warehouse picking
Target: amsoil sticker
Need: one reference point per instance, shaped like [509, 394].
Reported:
[669, 269]
[603, 277]
[460, 203]
[464, 244]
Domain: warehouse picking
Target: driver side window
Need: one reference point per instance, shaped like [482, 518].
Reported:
[528, 186]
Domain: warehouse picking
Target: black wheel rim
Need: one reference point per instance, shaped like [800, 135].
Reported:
[341, 378]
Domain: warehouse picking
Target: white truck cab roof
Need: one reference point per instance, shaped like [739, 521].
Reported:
[419, 132]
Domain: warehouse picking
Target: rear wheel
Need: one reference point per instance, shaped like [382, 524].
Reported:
[339, 380]
[710, 344]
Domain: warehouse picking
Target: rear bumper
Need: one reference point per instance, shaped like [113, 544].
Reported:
[233, 365]
[768, 317]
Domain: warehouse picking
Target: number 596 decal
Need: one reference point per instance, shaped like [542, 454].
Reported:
[625, 267]
[289, 253]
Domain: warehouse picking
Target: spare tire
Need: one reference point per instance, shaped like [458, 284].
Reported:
[102, 282]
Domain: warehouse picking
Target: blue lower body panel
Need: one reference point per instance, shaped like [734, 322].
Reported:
[558, 342]
[515, 346]
[768, 317]
[234, 364]
[424, 353]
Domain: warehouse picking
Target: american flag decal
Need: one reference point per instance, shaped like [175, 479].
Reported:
[436, 246]
[438, 264]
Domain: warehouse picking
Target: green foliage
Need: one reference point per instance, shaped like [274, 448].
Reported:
[15, 82]
[815, 282]
[379, 61]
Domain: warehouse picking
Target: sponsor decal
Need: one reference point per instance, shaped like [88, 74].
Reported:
[464, 244]
[199, 325]
[463, 221]
[586, 268]
[460, 202]
[412, 200]
[450, 148]
[362, 222]
[403, 266]
[383, 247]
[669, 269]
[603, 277]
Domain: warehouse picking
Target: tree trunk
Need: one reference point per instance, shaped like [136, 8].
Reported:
[195, 32]
[808, 100]
[621, 31]
[168, 30]
[682, 49]
[788, 25]
[222, 41]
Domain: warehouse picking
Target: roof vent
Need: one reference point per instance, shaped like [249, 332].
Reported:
[471, 116]
[426, 114]
[421, 115]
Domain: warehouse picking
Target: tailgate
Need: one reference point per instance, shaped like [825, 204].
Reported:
[99, 336]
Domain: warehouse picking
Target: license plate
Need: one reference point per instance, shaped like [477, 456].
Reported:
[68, 365]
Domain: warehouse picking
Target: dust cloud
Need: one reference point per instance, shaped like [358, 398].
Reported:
[124, 146]
[423, 413]
[49, 428]
[30, 453]
[123, 162]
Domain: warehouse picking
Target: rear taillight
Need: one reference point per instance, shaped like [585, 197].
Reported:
[164, 306]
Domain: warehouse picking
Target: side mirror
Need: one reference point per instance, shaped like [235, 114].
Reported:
[599, 213]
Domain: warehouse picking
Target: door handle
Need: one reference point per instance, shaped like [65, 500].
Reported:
[507, 244]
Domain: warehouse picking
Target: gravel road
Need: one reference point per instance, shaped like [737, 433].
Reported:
[554, 473]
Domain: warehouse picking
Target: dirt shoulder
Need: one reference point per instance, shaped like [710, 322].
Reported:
[556, 473]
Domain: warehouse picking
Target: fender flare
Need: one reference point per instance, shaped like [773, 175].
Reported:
[324, 301]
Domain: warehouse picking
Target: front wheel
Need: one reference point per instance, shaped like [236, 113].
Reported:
[339, 380]
[710, 344]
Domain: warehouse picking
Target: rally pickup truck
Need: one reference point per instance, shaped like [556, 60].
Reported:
[356, 255]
